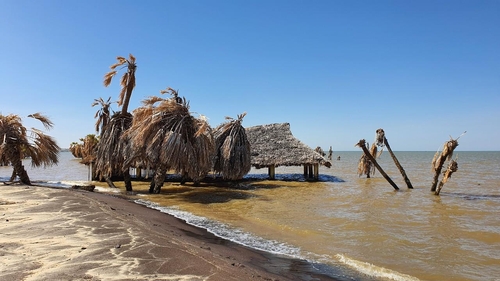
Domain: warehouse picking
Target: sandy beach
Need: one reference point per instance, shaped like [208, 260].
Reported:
[64, 234]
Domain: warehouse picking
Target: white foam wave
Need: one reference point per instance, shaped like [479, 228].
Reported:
[223, 231]
[373, 270]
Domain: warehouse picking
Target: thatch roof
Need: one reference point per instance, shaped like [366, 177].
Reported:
[274, 144]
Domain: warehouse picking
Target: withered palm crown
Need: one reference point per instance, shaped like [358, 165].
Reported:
[103, 114]
[165, 133]
[17, 142]
[232, 149]
[127, 81]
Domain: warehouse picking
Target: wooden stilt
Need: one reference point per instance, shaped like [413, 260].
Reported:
[316, 171]
[272, 172]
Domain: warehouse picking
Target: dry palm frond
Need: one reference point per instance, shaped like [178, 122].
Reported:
[127, 81]
[103, 115]
[232, 158]
[110, 151]
[167, 135]
[45, 120]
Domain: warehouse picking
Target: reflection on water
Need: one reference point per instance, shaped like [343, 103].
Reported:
[361, 225]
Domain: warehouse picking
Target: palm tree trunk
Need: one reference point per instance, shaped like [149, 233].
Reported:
[452, 167]
[159, 178]
[110, 182]
[403, 173]
[17, 163]
[448, 148]
[127, 179]
[367, 153]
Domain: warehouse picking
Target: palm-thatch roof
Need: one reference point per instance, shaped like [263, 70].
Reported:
[274, 145]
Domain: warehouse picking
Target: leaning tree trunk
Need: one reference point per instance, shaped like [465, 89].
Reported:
[19, 170]
[403, 173]
[452, 167]
[159, 178]
[447, 152]
[361, 144]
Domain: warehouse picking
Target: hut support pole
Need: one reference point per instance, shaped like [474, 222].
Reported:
[305, 171]
[401, 170]
[316, 171]
[138, 173]
[310, 171]
[361, 144]
[271, 172]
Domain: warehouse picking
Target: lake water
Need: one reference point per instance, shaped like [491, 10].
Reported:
[361, 228]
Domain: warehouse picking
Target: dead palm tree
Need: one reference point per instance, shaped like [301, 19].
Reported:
[102, 115]
[76, 149]
[441, 157]
[382, 141]
[110, 152]
[17, 142]
[362, 144]
[365, 165]
[168, 136]
[232, 149]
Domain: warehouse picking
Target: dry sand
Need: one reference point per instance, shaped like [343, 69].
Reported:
[64, 234]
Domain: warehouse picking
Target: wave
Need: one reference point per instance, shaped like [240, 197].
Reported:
[373, 270]
[359, 268]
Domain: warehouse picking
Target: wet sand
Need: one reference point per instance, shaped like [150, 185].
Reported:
[64, 234]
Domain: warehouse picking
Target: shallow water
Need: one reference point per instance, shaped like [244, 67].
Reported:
[362, 228]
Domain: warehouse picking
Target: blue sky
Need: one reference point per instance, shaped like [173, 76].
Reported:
[335, 70]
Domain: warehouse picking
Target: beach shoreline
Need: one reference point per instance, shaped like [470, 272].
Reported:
[64, 234]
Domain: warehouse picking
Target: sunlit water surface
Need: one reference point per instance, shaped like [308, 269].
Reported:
[361, 228]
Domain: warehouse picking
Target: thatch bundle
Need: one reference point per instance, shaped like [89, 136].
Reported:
[232, 148]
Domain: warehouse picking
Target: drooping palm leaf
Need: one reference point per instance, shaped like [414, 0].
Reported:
[232, 159]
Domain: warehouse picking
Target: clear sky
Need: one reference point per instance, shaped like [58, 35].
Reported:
[335, 70]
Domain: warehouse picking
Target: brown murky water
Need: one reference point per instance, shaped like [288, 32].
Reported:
[360, 226]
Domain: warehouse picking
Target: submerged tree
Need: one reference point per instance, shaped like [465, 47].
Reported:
[110, 152]
[165, 134]
[441, 157]
[17, 142]
[232, 149]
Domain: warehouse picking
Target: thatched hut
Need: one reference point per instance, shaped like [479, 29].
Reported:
[273, 145]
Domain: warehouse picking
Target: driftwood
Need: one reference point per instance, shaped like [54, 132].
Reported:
[452, 167]
[362, 144]
[90, 187]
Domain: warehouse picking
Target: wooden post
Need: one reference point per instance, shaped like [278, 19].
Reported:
[305, 171]
[310, 171]
[272, 172]
[401, 170]
[361, 144]
[316, 171]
